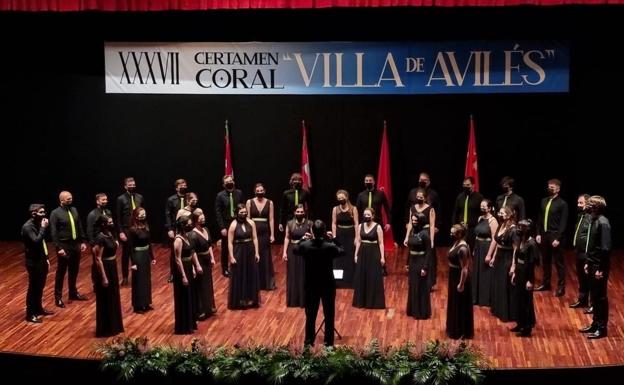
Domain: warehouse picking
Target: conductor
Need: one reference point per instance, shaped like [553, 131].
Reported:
[318, 251]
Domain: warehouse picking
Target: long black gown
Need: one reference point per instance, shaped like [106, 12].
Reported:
[459, 315]
[263, 231]
[295, 269]
[527, 256]
[183, 295]
[432, 274]
[481, 271]
[244, 287]
[142, 257]
[419, 293]
[108, 319]
[368, 285]
[204, 290]
[345, 235]
[503, 302]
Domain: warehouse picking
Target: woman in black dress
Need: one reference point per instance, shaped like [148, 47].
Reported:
[261, 212]
[142, 258]
[368, 285]
[243, 252]
[344, 222]
[186, 268]
[296, 228]
[421, 206]
[503, 302]
[108, 320]
[418, 265]
[525, 257]
[485, 232]
[459, 315]
[202, 246]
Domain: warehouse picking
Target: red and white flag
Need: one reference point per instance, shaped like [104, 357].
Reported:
[305, 159]
[384, 183]
[229, 170]
[472, 168]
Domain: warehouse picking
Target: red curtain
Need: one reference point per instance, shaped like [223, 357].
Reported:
[195, 5]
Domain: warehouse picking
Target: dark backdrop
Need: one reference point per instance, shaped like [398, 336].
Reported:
[61, 131]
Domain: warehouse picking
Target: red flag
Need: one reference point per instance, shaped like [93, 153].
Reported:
[305, 160]
[384, 183]
[472, 168]
[229, 170]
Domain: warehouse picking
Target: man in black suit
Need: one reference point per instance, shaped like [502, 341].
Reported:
[318, 254]
[126, 204]
[225, 208]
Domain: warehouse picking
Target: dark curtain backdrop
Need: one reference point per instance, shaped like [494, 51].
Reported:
[61, 131]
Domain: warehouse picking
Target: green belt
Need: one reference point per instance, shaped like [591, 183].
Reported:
[454, 266]
[505, 247]
[367, 241]
[242, 240]
[412, 252]
[520, 261]
[259, 219]
[186, 259]
[345, 226]
[141, 248]
[484, 239]
[109, 258]
[426, 226]
[295, 241]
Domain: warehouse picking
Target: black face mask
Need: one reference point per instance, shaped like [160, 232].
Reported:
[467, 190]
[229, 186]
[581, 209]
[241, 217]
[368, 219]
[342, 201]
[415, 226]
[131, 189]
[297, 185]
[38, 218]
[182, 191]
[110, 226]
[259, 195]
[550, 192]
[484, 209]
[369, 186]
[422, 184]
[188, 227]
[506, 189]
[299, 217]
[420, 201]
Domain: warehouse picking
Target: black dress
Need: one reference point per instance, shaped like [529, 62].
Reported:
[263, 231]
[345, 235]
[183, 295]
[108, 320]
[368, 285]
[432, 274]
[204, 291]
[527, 256]
[419, 293]
[295, 274]
[459, 315]
[503, 300]
[481, 270]
[142, 257]
[244, 287]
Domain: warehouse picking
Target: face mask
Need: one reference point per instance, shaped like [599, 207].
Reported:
[297, 185]
[38, 217]
[484, 209]
[368, 219]
[188, 227]
[415, 225]
[141, 218]
[241, 217]
[229, 186]
[182, 190]
[342, 201]
[259, 195]
[550, 192]
[581, 209]
[422, 183]
[506, 189]
[110, 226]
[130, 189]
[369, 186]
[299, 216]
[420, 201]
[467, 190]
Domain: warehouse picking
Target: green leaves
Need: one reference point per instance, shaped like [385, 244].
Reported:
[434, 364]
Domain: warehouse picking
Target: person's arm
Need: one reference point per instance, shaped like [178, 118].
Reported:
[489, 257]
[380, 241]
[254, 236]
[356, 218]
[196, 263]
[358, 241]
[34, 235]
[99, 250]
[604, 246]
[284, 209]
[248, 206]
[533, 259]
[271, 221]
[464, 260]
[429, 256]
[230, 244]
[333, 226]
[432, 219]
[177, 249]
[286, 242]
[407, 233]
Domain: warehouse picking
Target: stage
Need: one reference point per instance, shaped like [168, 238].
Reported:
[70, 332]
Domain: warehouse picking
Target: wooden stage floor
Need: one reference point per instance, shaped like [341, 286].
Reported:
[70, 331]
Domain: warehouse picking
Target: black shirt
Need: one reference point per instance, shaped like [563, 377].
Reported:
[33, 236]
[174, 204]
[579, 240]
[124, 210]
[222, 207]
[599, 245]
[318, 255]
[60, 226]
[432, 198]
[287, 209]
[474, 208]
[92, 230]
[513, 201]
[557, 217]
[378, 200]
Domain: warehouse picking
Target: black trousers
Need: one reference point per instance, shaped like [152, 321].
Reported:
[37, 274]
[71, 262]
[550, 253]
[313, 297]
[583, 278]
[126, 251]
[598, 293]
[224, 254]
